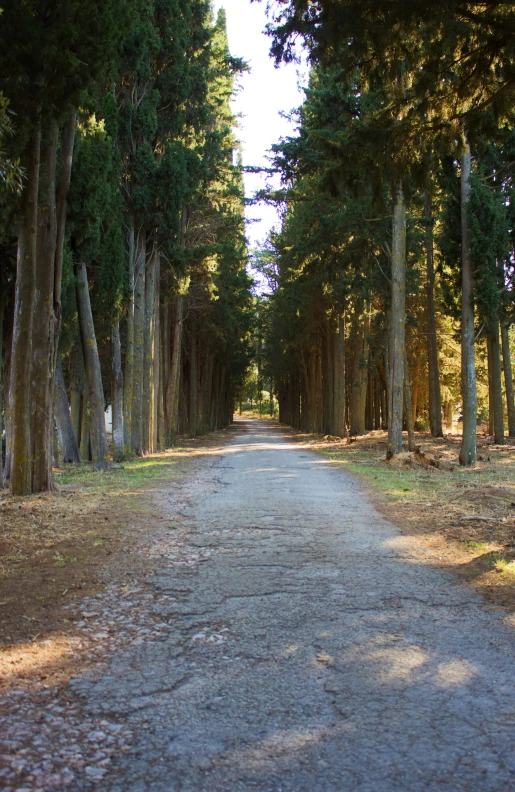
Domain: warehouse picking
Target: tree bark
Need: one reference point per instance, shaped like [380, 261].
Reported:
[408, 408]
[468, 363]
[128, 379]
[139, 345]
[148, 355]
[340, 427]
[435, 399]
[490, 387]
[68, 447]
[2, 374]
[85, 422]
[117, 393]
[328, 377]
[44, 330]
[508, 378]
[77, 389]
[193, 379]
[63, 185]
[359, 383]
[20, 451]
[397, 334]
[96, 405]
[497, 405]
[157, 395]
[172, 386]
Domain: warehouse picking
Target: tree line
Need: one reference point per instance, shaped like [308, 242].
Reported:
[122, 244]
[392, 276]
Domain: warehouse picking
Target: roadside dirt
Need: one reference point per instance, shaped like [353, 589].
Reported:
[63, 547]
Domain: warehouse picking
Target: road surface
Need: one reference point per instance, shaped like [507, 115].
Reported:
[308, 649]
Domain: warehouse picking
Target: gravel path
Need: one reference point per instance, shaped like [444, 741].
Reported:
[298, 645]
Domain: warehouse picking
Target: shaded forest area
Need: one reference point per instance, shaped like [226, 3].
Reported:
[122, 244]
[392, 276]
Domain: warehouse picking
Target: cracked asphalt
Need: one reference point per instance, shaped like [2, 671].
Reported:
[309, 650]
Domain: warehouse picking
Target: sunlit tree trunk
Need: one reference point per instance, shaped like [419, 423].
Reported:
[20, 449]
[96, 405]
[397, 319]
[468, 363]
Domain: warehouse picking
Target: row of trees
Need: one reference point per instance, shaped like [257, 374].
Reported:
[397, 242]
[123, 257]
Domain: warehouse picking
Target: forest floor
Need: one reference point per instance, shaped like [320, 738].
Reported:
[465, 515]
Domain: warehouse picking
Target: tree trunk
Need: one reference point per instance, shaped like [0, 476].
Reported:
[2, 375]
[435, 399]
[340, 426]
[85, 422]
[20, 473]
[77, 390]
[359, 383]
[128, 378]
[490, 387]
[408, 408]
[117, 393]
[388, 383]
[468, 363]
[162, 390]
[508, 378]
[378, 394]
[328, 363]
[148, 355]
[63, 186]
[397, 334]
[139, 345]
[157, 395]
[193, 380]
[497, 405]
[68, 447]
[172, 386]
[96, 405]
[44, 330]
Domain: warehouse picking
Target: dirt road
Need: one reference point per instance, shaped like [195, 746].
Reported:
[306, 649]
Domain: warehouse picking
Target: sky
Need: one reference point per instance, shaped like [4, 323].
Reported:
[264, 93]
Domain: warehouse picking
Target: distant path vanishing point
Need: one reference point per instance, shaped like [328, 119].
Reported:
[309, 650]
